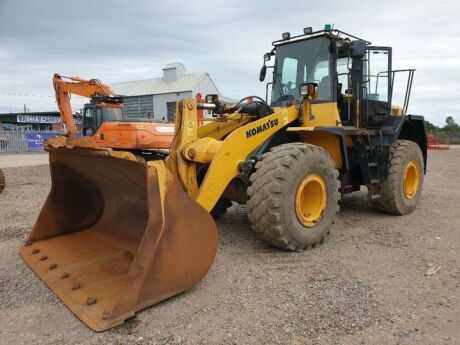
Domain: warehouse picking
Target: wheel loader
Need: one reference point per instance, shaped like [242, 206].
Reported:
[117, 235]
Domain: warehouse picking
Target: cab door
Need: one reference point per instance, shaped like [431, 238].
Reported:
[377, 82]
[92, 120]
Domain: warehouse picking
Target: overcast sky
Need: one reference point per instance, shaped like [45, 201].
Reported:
[129, 40]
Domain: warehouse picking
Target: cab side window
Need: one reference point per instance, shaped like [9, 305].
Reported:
[98, 117]
[322, 78]
[342, 74]
[376, 76]
[289, 76]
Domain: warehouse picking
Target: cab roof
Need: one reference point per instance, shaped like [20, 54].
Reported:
[333, 34]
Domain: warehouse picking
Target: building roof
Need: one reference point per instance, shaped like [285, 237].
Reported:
[155, 86]
[33, 113]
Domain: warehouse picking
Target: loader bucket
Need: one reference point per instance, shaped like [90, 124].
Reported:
[117, 235]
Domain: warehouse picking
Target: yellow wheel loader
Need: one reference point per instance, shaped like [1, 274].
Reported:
[117, 235]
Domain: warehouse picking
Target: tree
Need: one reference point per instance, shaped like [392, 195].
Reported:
[430, 127]
[450, 124]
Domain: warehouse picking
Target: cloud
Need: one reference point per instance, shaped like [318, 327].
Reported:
[127, 40]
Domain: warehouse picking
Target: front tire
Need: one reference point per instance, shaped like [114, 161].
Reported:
[293, 197]
[400, 191]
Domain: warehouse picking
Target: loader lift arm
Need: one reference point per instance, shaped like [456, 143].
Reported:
[225, 155]
[65, 86]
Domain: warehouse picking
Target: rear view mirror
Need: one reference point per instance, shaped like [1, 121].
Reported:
[263, 72]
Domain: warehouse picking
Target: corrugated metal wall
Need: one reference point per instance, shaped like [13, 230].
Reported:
[138, 106]
[161, 103]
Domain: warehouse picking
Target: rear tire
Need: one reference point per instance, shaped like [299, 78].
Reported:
[401, 189]
[273, 196]
[2, 181]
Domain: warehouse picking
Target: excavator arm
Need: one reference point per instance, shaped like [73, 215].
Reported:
[65, 86]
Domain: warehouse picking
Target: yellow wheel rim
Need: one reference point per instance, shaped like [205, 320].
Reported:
[311, 199]
[411, 179]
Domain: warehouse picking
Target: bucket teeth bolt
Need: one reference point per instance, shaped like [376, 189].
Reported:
[35, 251]
[76, 286]
[64, 275]
[43, 258]
[28, 243]
[90, 300]
[105, 315]
[52, 266]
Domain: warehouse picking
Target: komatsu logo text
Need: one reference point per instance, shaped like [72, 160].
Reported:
[261, 128]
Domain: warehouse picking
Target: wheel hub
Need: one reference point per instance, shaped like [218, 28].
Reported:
[311, 199]
[411, 179]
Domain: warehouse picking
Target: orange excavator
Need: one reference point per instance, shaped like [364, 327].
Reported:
[103, 118]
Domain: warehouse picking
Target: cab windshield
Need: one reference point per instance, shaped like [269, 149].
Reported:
[307, 61]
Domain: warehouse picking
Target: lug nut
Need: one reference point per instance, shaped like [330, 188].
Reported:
[52, 266]
[35, 251]
[90, 300]
[43, 258]
[76, 286]
[64, 275]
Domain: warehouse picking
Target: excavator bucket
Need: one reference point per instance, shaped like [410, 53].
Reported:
[116, 235]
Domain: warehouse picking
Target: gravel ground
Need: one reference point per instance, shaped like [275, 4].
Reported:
[9, 160]
[365, 285]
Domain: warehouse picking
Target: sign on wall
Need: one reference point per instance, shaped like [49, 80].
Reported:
[35, 140]
[37, 119]
[43, 119]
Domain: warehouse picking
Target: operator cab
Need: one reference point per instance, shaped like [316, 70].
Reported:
[345, 70]
[99, 110]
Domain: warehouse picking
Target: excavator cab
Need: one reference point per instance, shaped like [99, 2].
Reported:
[99, 110]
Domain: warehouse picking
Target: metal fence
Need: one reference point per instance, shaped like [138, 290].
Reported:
[13, 142]
[447, 137]
[23, 141]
